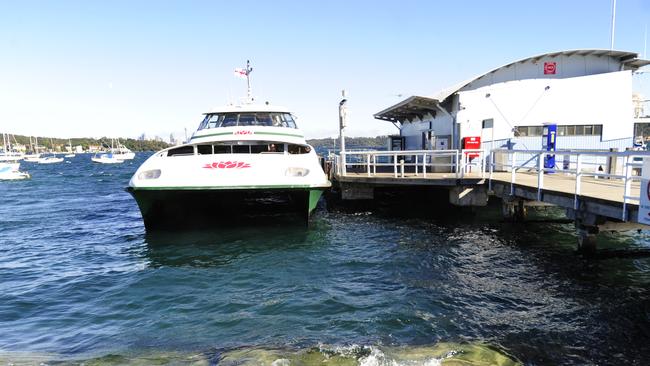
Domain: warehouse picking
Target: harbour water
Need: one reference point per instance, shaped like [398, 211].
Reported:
[81, 281]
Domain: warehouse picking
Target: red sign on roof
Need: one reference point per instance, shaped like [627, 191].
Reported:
[550, 68]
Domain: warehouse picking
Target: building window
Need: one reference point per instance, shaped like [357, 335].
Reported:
[564, 130]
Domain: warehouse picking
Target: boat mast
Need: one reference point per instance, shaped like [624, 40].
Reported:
[249, 69]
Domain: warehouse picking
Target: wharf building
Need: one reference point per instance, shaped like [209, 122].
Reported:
[587, 93]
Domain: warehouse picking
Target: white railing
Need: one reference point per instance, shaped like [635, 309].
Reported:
[417, 162]
[579, 165]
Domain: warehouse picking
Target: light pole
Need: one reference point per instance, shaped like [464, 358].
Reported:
[343, 117]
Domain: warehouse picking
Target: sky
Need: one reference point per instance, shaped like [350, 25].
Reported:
[124, 68]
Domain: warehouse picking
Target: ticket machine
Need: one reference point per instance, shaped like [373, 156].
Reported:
[549, 138]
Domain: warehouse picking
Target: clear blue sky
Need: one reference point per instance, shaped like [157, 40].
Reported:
[122, 68]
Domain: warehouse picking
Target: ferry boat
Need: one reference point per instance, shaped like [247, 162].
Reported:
[243, 161]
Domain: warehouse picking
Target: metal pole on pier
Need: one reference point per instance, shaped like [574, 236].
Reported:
[343, 117]
[613, 23]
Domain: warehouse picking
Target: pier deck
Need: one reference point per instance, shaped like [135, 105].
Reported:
[587, 193]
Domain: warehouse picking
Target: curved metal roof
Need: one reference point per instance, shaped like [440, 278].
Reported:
[411, 107]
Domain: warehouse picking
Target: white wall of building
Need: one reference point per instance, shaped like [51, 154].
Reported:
[596, 99]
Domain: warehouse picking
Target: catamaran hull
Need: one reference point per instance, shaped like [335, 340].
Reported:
[205, 208]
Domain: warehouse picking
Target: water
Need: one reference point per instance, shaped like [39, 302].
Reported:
[81, 280]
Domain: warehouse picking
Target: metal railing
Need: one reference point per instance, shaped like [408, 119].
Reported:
[575, 163]
[423, 162]
[624, 166]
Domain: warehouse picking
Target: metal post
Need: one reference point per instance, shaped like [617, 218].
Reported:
[424, 165]
[483, 164]
[578, 176]
[401, 166]
[416, 164]
[395, 164]
[628, 185]
[491, 170]
[513, 170]
[540, 175]
[343, 117]
[374, 162]
[368, 163]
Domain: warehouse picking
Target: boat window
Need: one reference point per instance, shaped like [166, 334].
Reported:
[288, 120]
[214, 120]
[180, 151]
[298, 149]
[204, 123]
[256, 149]
[241, 149]
[247, 120]
[222, 149]
[231, 119]
[264, 119]
[204, 149]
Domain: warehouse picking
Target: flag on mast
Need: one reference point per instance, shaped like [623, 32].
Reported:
[239, 72]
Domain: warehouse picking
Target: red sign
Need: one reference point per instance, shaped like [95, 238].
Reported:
[227, 165]
[550, 68]
[472, 143]
[243, 132]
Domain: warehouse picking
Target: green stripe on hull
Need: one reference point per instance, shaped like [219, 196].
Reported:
[278, 134]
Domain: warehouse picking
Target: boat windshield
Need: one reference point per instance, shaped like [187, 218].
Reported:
[272, 119]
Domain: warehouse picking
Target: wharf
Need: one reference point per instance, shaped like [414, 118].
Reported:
[593, 197]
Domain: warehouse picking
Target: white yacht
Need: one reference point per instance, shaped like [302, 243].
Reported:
[10, 171]
[122, 152]
[110, 157]
[242, 159]
[50, 159]
[7, 153]
[106, 158]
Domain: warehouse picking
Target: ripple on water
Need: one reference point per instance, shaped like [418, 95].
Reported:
[80, 278]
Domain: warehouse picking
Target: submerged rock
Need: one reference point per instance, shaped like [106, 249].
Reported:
[441, 354]
[446, 354]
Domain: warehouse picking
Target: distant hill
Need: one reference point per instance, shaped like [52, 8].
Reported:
[60, 144]
[350, 142]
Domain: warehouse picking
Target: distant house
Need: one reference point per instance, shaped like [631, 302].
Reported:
[587, 93]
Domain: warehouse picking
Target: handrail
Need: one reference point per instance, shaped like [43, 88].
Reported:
[419, 161]
[579, 172]
[576, 163]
